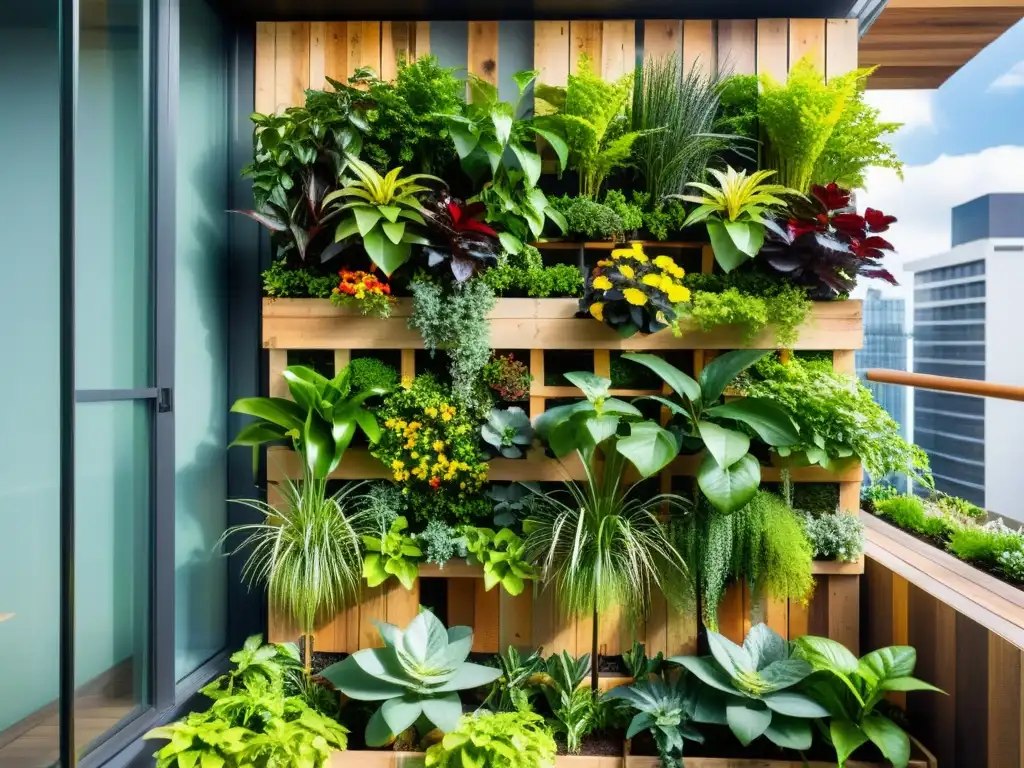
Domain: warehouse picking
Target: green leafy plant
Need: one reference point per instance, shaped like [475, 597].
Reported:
[494, 140]
[320, 420]
[407, 119]
[738, 102]
[253, 720]
[660, 218]
[381, 504]
[734, 212]
[282, 281]
[369, 373]
[557, 280]
[571, 704]
[674, 111]
[729, 475]
[417, 674]
[960, 508]
[391, 553]
[512, 502]
[851, 689]
[509, 378]
[630, 213]
[507, 430]
[784, 309]
[382, 212]
[502, 555]
[455, 319]
[875, 492]
[640, 665]
[838, 418]
[1011, 563]
[835, 536]
[518, 684]
[305, 549]
[763, 544]
[911, 513]
[664, 708]
[592, 113]
[753, 689]
[440, 542]
[984, 545]
[589, 219]
[502, 740]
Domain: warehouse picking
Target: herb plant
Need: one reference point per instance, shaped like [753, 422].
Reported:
[729, 475]
[391, 553]
[734, 212]
[502, 555]
[666, 709]
[571, 704]
[835, 536]
[370, 373]
[589, 219]
[508, 431]
[851, 689]
[282, 281]
[784, 309]
[554, 281]
[440, 543]
[630, 213]
[417, 674]
[382, 211]
[753, 689]
[514, 690]
[503, 740]
[640, 665]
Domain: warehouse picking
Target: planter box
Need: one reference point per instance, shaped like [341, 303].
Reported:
[533, 324]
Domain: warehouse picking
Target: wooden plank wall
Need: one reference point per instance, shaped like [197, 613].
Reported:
[981, 720]
[293, 56]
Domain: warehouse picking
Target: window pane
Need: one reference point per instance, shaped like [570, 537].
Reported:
[29, 315]
[201, 341]
[112, 273]
[112, 570]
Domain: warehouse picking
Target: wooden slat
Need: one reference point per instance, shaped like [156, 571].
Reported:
[807, 39]
[551, 51]
[543, 617]
[483, 50]
[397, 43]
[584, 629]
[844, 611]
[515, 624]
[730, 613]
[818, 609]
[657, 624]
[401, 604]
[840, 47]
[373, 607]
[586, 39]
[773, 48]
[932, 631]
[776, 615]
[699, 46]
[798, 619]
[563, 631]
[663, 38]
[618, 49]
[364, 45]
[266, 67]
[292, 64]
[422, 38]
[332, 637]
[408, 363]
[1005, 707]
[486, 615]
[737, 46]
[278, 361]
[681, 634]
[461, 602]
[335, 52]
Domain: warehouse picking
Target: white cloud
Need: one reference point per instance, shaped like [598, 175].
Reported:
[914, 108]
[1010, 80]
[924, 200]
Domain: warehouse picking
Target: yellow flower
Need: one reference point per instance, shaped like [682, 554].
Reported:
[664, 262]
[438, 446]
[678, 294]
[406, 382]
[431, 412]
[397, 464]
[414, 455]
[635, 296]
[677, 272]
[604, 263]
[635, 251]
[655, 281]
[597, 310]
[446, 416]
[602, 283]
[666, 282]
[627, 271]
[389, 423]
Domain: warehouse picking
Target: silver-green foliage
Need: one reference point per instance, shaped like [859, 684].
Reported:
[508, 431]
[418, 673]
[751, 688]
[666, 709]
[306, 549]
[440, 542]
[835, 536]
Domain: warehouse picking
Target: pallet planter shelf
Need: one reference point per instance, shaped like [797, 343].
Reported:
[542, 328]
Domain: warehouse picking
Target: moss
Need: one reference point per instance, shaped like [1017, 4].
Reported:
[371, 373]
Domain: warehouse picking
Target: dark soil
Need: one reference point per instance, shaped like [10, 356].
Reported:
[940, 543]
[612, 666]
[599, 743]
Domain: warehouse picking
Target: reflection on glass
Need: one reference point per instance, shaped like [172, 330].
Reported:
[112, 502]
[29, 312]
[112, 272]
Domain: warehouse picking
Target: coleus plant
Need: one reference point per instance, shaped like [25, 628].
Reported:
[825, 245]
[417, 675]
[460, 237]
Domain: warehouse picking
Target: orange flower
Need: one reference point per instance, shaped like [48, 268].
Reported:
[435, 482]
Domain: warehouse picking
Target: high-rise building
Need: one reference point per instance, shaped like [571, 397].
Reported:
[966, 302]
[885, 346]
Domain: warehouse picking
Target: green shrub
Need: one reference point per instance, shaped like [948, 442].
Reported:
[589, 218]
[816, 497]
[555, 281]
[786, 310]
[440, 542]
[503, 740]
[738, 106]
[984, 545]
[282, 281]
[957, 507]
[876, 492]
[1011, 563]
[835, 536]
[630, 214]
[371, 373]
[903, 511]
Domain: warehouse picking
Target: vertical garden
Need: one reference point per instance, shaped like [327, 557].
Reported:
[562, 443]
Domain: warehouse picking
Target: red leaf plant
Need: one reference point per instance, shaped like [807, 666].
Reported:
[459, 236]
[825, 245]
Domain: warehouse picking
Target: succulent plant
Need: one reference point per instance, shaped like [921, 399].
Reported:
[506, 430]
[512, 501]
[417, 674]
[664, 708]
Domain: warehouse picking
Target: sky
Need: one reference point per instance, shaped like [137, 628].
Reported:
[960, 141]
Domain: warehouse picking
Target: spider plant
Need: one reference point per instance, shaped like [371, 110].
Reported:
[675, 113]
[602, 544]
[734, 212]
[306, 549]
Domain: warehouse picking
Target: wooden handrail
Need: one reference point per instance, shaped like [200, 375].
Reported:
[946, 384]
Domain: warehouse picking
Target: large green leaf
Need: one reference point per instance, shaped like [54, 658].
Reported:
[783, 674]
[276, 410]
[318, 444]
[764, 646]
[557, 144]
[464, 138]
[720, 372]
[747, 236]
[677, 381]
[729, 488]
[592, 385]
[732, 658]
[385, 254]
[649, 447]
[727, 254]
[825, 654]
[747, 720]
[400, 713]
[529, 161]
[354, 681]
[543, 424]
[889, 738]
[727, 445]
[377, 732]
[794, 704]
[907, 684]
[259, 433]
[789, 732]
[771, 423]
[894, 661]
[846, 738]
[470, 675]
[707, 671]
[443, 711]
[367, 218]
[394, 230]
